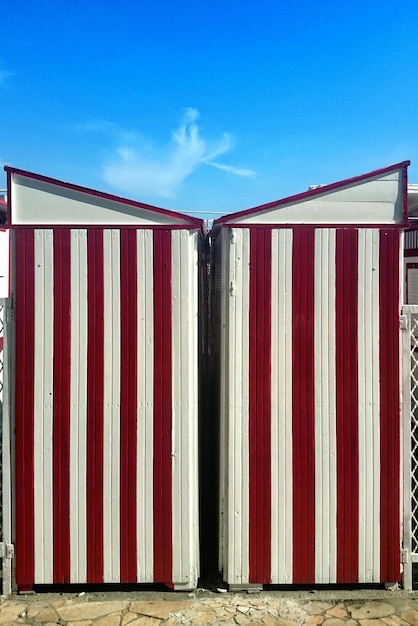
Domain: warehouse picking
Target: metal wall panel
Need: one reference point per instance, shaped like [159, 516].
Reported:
[311, 442]
[106, 414]
[234, 505]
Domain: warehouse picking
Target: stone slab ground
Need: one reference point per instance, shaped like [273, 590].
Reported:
[267, 608]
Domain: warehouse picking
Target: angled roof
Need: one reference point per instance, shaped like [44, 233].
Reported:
[36, 200]
[378, 197]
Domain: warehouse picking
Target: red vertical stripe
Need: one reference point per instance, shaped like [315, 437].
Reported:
[260, 407]
[303, 409]
[95, 374]
[61, 418]
[389, 307]
[24, 405]
[347, 404]
[128, 400]
[163, 556]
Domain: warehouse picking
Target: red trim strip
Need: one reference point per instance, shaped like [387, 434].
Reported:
[61, 417]
[346, 297]
[24, 406]
[163, 553]
[389, 307]
[303, 407]
[410, 252]
[311, 193]
[95, 388]
[128, 406]
[260, 407]
[184, 226]
[303, 226]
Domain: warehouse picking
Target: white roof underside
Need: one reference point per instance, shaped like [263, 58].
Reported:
[37, 202]
[377, 200]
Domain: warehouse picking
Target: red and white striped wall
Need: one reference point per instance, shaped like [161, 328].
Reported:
[106, 405]
[310, 405]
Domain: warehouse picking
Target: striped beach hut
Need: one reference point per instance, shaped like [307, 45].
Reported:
[308, 295]
[411, 248]
[4, 251]
[105, 294]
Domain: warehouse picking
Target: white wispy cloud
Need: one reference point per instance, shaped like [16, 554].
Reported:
[143, 169]
[4, 75]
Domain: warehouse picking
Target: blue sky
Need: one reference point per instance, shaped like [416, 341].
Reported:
[198, 105]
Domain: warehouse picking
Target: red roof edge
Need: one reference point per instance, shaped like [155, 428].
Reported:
[311, 193]
[190, 221]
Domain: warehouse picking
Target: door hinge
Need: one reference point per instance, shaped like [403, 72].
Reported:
[403, 322]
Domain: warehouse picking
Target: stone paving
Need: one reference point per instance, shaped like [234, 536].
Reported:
[362, 608]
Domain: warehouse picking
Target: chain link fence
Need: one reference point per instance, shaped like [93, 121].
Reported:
[2, 317]
[413, 333]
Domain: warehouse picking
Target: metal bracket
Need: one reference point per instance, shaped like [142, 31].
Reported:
[7, 550]
[405, 556]
[403, 322]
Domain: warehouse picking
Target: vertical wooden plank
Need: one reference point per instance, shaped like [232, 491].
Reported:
[78, 410]
[128, 378]
[325, 409]
[7, 441]
[389, 306]
[24, 405]
[180, 403]
[369, 406]
[236, 286]
[162, 407]
[95, 369]
[61, 395]
[43, 405]
[145, 408]
[346, 310]
[111, 408]
[260, 407]
[281, 408]
[303, 406]
[184, 442]
[221, 297]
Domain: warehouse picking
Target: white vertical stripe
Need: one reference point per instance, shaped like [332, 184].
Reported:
[325, 408]
[238, 445]
[369, 405]
[145, 439]
[222, 292]
[43, 405]
[184, 391]
[111, 411]
[194, 275]
[281, 407]
[78, 407]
